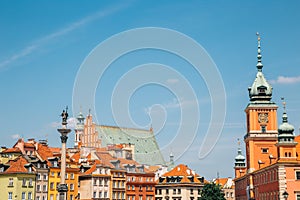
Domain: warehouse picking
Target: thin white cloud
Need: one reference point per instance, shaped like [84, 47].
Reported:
[286, 80]
[71, 27]
[71, 123]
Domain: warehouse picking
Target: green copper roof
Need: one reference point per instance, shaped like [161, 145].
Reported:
[146, 148]
[260, 90]
[285, 127]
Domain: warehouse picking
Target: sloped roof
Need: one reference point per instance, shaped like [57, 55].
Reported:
[225, 182]
[12, 150]
[154, 168]
[44, 151]
[75, 157]
[105, 159]
[146, 148]
[93, 168]
[17, 166]
[186, 174]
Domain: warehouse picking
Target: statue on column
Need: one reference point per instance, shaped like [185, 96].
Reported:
[64, 116]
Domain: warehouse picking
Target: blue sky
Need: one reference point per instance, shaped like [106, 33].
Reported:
[43, 45]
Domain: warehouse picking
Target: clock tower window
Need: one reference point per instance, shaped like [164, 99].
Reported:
[263, 128]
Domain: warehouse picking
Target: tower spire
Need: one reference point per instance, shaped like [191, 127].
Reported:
[259, 65]
[284, 116]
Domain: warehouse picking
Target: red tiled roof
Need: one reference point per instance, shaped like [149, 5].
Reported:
[154, 168]
[184, 172]
[44, 151]
[92, 169]
[105, 159]
[221, 181]
[76, 157]
[17, 165]
[29, 145]
[12, 150]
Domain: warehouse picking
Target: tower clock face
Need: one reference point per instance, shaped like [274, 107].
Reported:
[263, 117]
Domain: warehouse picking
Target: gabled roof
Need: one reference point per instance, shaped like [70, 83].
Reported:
[44, 151]
[181, 174]
[17, 166]
[226, 183]
[12, 150]
[93, 168]
[105, 159]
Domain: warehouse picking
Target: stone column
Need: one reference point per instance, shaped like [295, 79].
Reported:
[62, 188]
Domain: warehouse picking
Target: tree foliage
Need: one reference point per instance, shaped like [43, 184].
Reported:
[211, 191]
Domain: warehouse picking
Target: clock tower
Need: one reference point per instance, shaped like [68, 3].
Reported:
[261, 116]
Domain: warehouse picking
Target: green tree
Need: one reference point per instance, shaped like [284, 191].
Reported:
[211, 191]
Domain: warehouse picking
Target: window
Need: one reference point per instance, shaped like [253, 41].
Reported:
[192, 191]
[30, 182]
[38, 188]
[29, 196]
[52, 173]
[38, 176]
[297, 175]
[9, 195]
[100, 194]
[264, 150]
[45, 177]
[167, 191]
[72, 176]
[174, 191]
[23, 196]
[37, 198]
[263, 129]
[10, 182]
[298, 197]
[67, 176]
[105, 194]
[45, 188]
[71, 186]
[71, 197]
[51, 186]
[179, 191]
[24, 182]
[51, 197]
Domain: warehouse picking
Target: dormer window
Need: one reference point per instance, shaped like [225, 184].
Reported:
[261, 90]
[29, 169]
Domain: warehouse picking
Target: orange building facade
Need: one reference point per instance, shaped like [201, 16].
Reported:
[271, 169]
